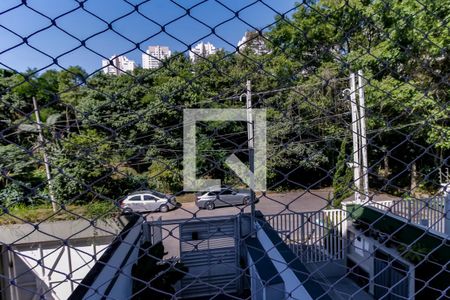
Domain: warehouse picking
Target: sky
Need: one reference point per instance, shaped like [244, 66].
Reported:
[90, 24]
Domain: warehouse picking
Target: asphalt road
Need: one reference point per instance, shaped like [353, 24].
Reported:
[272, 203]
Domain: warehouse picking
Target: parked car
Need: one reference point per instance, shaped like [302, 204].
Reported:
[225, 197]
[143, 201]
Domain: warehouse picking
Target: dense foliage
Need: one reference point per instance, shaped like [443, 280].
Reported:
[343, 177]
[108, 135]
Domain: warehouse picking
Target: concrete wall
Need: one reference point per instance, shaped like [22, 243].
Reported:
[261, 290]
[361, 251]
[293, 286]
[114, 281]
[51, 258]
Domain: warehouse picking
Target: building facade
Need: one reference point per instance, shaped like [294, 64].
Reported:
[254, 41]
[117, 65]
[202, 50]
[153, 57]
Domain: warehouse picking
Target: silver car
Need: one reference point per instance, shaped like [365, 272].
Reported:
[225, 197]
[143, 201]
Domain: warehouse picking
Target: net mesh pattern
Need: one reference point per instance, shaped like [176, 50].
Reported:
[94, 197]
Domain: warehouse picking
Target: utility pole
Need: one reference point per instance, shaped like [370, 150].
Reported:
[46, 161]
[355, 137]
[359, 137]
[446, 190]
[251, 152]
[362, 135]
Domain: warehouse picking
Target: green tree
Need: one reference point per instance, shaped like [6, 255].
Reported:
[342, 178]
[87, 167]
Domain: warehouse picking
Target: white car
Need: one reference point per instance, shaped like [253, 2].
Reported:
[143, 201]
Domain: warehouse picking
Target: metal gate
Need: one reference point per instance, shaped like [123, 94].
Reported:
[209, 249]
[153, 231]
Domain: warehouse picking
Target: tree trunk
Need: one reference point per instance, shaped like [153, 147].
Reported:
[413, 179]
[386, 171]
[67, 119]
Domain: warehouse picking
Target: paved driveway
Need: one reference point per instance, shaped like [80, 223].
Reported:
[272, 203]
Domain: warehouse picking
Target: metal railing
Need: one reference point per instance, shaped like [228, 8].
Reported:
[428, 212]
[238, 108]
[314, 236]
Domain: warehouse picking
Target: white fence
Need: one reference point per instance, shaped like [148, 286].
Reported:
[313, 236]
[318, 236]
[429, 212]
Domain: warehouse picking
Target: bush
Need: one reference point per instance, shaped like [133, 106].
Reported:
[342, 179]
[12, 194]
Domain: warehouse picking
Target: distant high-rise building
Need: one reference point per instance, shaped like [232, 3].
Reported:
[253, 41]
[153, 57]
[202, 50]
[120, 65]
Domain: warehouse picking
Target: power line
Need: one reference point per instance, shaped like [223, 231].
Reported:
[214, 99]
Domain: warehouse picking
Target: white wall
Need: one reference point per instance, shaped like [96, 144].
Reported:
[43, 267]
[41, 264]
